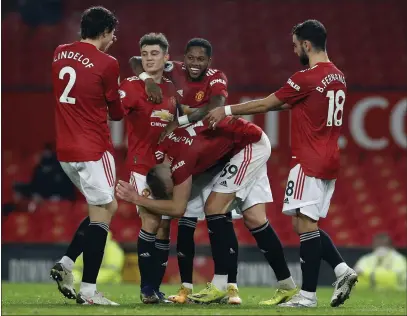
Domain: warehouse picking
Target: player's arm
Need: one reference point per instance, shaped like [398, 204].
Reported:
[153, 90]
[174, 207]
[111, 90]
[293, 91]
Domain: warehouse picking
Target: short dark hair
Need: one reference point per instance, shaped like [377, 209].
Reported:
[313, 31]
[95, 21]
[200, 42]
[155, 39]
[156, 184]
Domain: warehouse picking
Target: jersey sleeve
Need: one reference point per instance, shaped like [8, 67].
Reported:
[128, 96]
[111, 81]
[294, 90]
[182, 169]
[218, 85]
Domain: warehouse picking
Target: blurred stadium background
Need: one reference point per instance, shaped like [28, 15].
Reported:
[252, 45]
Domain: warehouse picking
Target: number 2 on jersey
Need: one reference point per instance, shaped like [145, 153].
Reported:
[335, 108]
[72, 78]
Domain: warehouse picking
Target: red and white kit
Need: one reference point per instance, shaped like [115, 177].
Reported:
[318, 96]
[145, 122]
[193, 149]
[86, 91]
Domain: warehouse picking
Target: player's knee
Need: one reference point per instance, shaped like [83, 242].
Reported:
[218, 203]
[306, 224]
[294, 221]
[164, 229]
[112, 207]
[253, 219]
[150, 222]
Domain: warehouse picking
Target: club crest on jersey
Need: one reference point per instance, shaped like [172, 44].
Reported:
[163, 115]
[199, 96]
[146, 193]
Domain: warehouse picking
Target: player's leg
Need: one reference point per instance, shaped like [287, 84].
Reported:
[61, 272]
[235, 181]
[162, 245]
[256, 221]
[307, 200]
[97, 182]
[346, 276]
[232, 296]
[201, 188]
[95, 179]
[302, 197]
[185, 256]
[146, 250]
[220, 235]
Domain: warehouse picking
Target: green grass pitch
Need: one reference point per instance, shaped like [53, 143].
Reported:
[44, 299]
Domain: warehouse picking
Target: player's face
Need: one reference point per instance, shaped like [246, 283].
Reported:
[197, 61]
[153, 58]
[300, 48]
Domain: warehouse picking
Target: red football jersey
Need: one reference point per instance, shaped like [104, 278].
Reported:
[145, 121]
[194, 148]
[317, 95]
[86, 82]
[196, 93]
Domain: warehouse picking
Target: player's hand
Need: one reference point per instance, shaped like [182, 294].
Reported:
[126, 191]
[215, 116]
[114, 39]
[153, 90]
[168, 130]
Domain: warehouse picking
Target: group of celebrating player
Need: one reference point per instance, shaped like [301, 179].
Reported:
[192, 157]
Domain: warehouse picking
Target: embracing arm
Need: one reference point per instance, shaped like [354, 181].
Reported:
[153, 90]
[136, 65]
[199, 113]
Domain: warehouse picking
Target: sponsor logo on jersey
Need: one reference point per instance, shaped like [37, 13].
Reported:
[178, 165]
[293, 85]
[181, 92]
[122, 94]
[163, 115]
[217, 81]
[146, 192]
[199, 96]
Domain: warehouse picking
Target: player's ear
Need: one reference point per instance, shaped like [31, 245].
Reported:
[209, 61]
[307, 45]
[166, 57]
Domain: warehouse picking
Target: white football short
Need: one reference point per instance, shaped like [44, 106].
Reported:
[139, 182]
[246, 175]
[311, 195]
[95, 179]
[202, 186]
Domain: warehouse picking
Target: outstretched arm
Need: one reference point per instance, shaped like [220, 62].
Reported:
[270, 103]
